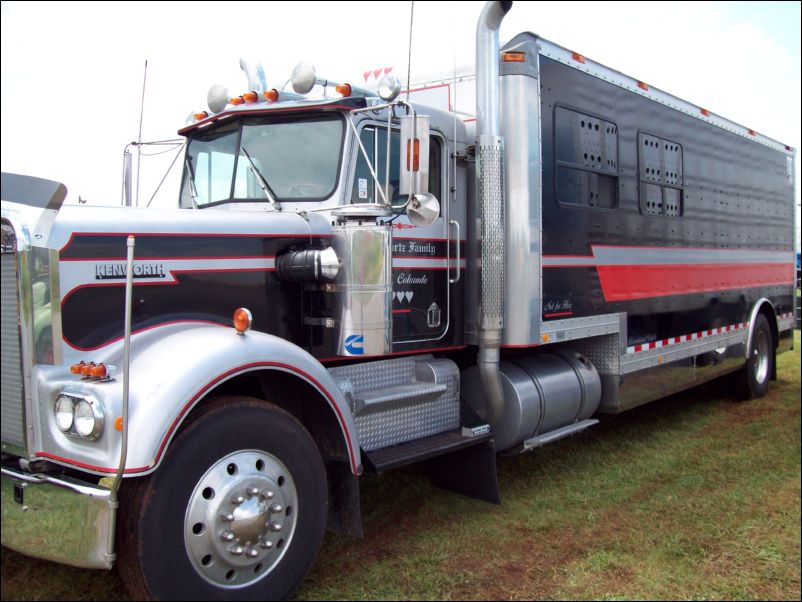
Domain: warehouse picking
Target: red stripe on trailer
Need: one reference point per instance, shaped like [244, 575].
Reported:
[632, 282]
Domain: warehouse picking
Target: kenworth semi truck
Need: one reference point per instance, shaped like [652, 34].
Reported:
[354, 283]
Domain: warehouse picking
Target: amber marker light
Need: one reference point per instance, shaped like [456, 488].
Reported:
[344, 89]
[237, 100]
[271, 95]
[578, 58]
[643, 86]
[242, 320]
[201, 115]
[118, 423]
[99, 371]
[76, 368]
[513, 57]
[705, 112]
[86, 368]
[250, 97]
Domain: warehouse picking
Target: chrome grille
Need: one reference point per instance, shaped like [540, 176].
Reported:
[11, 396]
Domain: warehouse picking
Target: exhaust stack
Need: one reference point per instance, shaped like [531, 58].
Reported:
[490, 154]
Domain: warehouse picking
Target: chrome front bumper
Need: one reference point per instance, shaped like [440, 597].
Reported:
[56, 518]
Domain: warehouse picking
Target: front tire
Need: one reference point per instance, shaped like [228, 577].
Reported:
[236, 511]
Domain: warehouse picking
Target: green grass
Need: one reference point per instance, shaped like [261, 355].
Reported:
[692, 497]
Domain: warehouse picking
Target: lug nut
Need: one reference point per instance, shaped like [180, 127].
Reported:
[227, 536]
[274, 507]
[227, 517]
[237, 550]
[267, 545]
[275, 527]
[267, 494]
[253, 491]
[251, 553]
[237, 499]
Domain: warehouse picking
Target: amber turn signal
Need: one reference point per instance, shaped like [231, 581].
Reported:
[242, 320]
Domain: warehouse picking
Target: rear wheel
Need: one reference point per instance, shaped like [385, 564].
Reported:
[237, 510]
[756, 375]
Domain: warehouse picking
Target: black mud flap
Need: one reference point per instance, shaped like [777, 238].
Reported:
[470, 471]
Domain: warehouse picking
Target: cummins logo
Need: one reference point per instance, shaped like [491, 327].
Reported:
[116, 271]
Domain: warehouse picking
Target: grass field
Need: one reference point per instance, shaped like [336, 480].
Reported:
[692, 497]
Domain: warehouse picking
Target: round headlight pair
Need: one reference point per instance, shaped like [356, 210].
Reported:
[78, 415]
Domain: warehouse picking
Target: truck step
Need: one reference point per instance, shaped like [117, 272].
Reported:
[560, 433]
[400, 395]
[395, 456]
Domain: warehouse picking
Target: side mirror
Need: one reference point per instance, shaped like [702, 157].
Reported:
[423, 209]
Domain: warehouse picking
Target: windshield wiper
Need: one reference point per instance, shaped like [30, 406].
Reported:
[262, 182]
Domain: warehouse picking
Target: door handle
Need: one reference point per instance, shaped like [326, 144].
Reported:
[454, 222]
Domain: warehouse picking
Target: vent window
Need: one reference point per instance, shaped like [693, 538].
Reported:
[587, 159]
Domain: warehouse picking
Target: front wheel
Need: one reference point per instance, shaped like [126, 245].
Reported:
[236, 511]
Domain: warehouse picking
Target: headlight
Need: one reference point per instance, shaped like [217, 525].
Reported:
[88, 418]
[64, 411]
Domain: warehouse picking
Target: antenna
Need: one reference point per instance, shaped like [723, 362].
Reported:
[139, 138]
[409, 58]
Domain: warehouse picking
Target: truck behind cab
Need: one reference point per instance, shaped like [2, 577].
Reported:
[357, 283]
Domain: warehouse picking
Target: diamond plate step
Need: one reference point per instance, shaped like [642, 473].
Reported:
[380, 400]
[418, 450]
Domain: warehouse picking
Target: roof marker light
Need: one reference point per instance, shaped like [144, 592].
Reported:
[513, 57]
[271, 95]
[201, 115]
[578, 58]
[344, 89]
[705, 112]
[643, 86]
[250, 96]
[76, 368]
[237, 100]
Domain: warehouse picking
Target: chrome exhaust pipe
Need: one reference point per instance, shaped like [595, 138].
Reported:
[490, 155]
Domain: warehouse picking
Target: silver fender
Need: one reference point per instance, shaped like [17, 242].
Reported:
[752, 317]
[172, 369]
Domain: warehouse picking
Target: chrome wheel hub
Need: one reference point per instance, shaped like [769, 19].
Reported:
[761, 357]
[240, 518]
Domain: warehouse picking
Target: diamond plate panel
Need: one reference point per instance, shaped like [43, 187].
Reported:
[418, 414]
[603, 352]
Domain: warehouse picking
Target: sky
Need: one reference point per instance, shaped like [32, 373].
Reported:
[72, 72]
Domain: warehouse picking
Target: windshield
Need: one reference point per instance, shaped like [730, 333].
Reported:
[264, 160]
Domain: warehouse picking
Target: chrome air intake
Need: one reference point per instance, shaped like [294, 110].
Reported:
[364, 285]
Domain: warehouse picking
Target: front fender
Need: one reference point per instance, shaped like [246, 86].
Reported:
[172, 369]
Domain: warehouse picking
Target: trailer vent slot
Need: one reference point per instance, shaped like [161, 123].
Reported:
[587, 159]
[660, 176]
